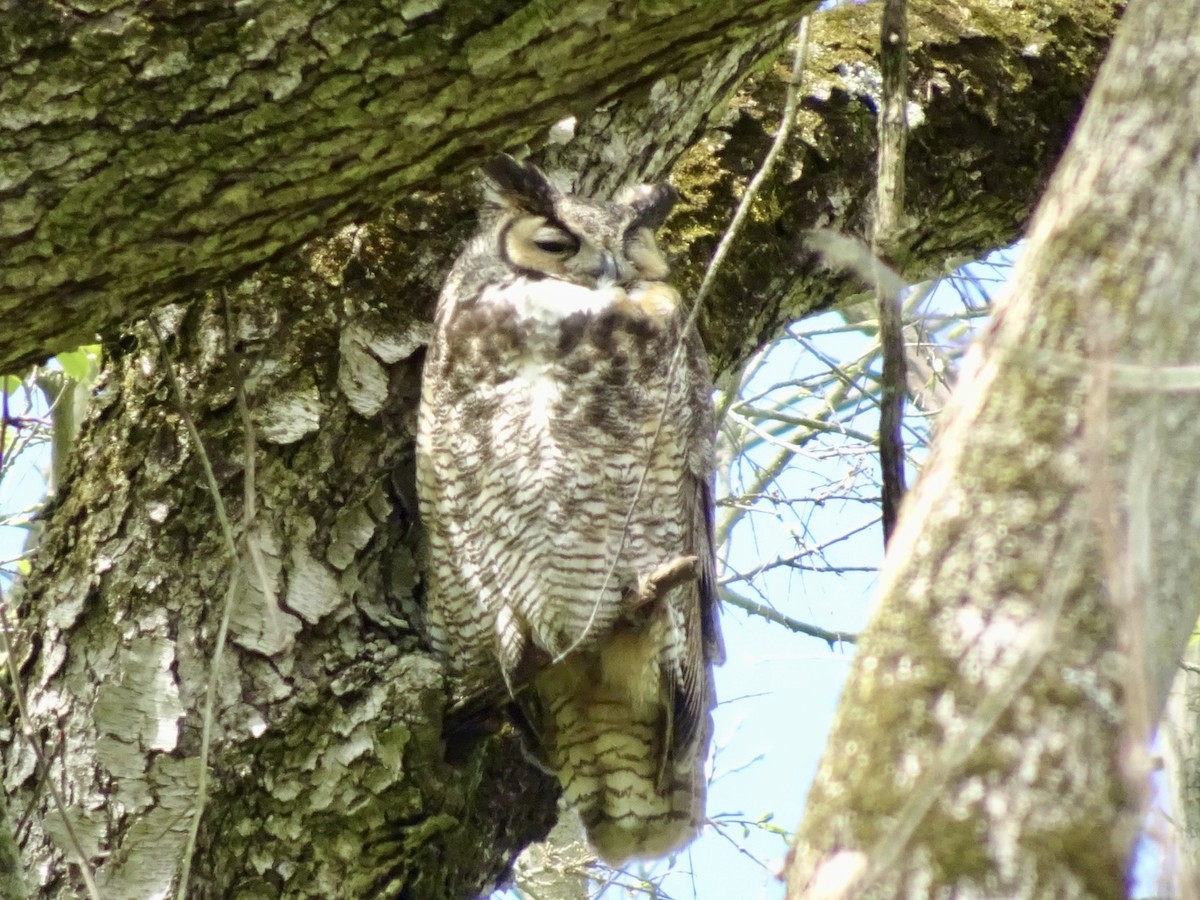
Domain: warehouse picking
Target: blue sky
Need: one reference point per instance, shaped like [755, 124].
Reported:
[779, 690]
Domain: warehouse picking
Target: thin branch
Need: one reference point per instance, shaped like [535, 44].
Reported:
[763, 611]
[814, 426]
[785, 126]
[812, 550]
[834, 404]
[226, 612]
[889, 215]
[249, 470]
[30, 733]
[57, 388]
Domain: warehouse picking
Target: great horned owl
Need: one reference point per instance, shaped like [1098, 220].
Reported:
[563, 465]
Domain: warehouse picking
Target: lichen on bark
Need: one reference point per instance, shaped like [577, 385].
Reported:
[1043, 582]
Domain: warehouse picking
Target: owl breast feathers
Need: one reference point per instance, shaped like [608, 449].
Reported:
[564, 472]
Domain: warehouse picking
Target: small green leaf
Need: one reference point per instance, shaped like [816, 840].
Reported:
[9, 384]
[80, 364]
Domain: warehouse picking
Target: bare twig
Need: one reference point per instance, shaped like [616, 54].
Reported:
[28, 730]
[739, 216]
[889, 214]
[249, 469]
[767, 474]
[30, 733]
[235, 574]
[763, 611]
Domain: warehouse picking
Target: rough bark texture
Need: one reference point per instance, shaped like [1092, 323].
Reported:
[1180, 834]
[330, 777]
[150, 148]
[1044, 580]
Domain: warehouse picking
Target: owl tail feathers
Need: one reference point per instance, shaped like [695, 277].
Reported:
[609, 740]
[629, 817]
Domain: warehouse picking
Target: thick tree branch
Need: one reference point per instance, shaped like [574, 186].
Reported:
[256, 132]
[154, 148]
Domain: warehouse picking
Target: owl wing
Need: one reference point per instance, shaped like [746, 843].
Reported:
[703, 647]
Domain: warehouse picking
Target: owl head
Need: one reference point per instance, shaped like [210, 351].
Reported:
[540, 231]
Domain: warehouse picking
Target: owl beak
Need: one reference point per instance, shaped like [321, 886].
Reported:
[608, 266]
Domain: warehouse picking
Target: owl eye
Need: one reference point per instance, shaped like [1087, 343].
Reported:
[555, 242]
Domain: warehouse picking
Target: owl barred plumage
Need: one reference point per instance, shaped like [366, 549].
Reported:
[564, 473]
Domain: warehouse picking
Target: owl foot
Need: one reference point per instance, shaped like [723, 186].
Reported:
[662, 580]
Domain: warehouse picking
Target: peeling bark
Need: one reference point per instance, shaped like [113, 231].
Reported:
[329, 778]
[329, 772]
[993, 735]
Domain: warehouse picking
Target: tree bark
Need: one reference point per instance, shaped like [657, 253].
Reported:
[1180, 741]
[245, 130]
[330, 774]
[150, 148]
[993, 736]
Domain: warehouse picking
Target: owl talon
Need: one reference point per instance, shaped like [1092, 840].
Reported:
[666, 577]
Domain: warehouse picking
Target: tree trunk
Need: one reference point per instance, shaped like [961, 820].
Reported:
[329, 773]
[992, 739]
[1180, 740]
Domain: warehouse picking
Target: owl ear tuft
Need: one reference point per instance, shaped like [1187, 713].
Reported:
[519, 186]
[651, 203]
